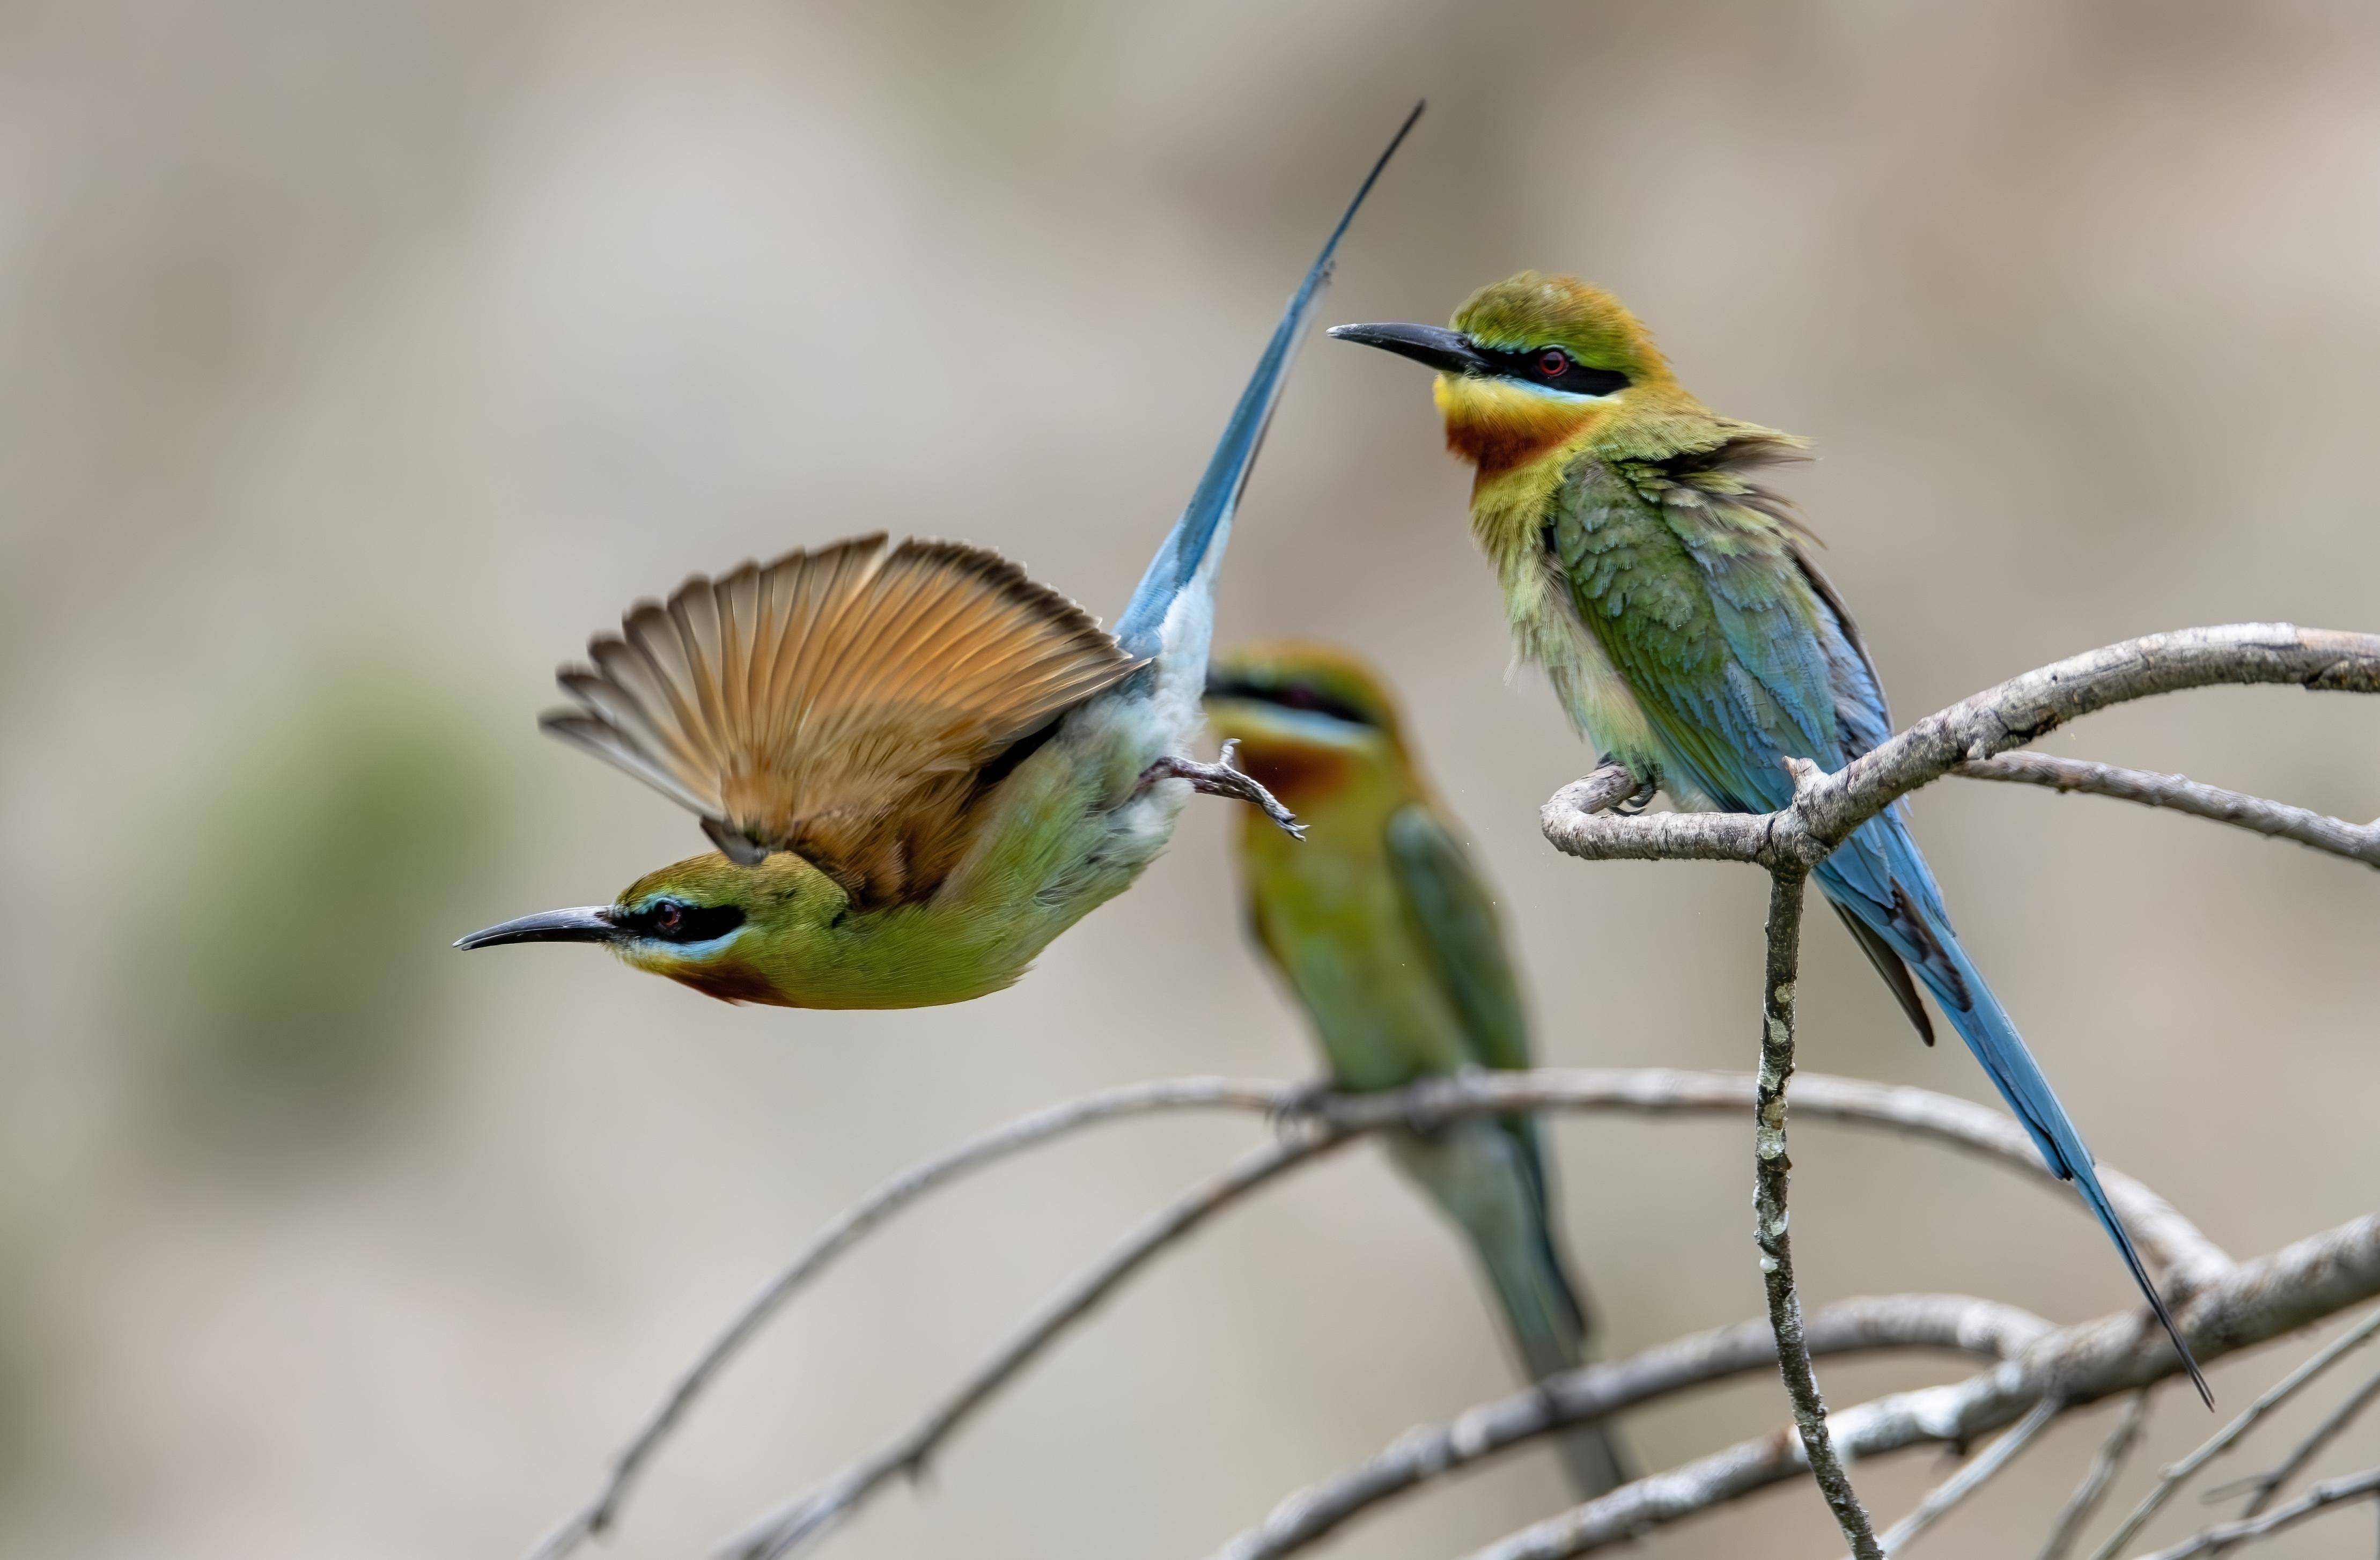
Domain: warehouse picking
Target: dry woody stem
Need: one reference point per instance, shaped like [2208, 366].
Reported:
[2258, 1301]
[2021, 710]
[2170, 1482]
[2087, 1495]
[1770, 1213]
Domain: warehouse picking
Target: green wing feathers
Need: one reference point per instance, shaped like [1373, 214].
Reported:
[1691, 576]
[1454, 920]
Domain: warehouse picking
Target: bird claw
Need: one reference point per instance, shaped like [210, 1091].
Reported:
[1639, 800]
[1223, 779]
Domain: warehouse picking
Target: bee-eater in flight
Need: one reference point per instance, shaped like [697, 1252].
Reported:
[919, 765]
[1388, 936]
[1673, 601]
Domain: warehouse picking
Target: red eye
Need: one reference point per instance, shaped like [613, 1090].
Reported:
[670, 916]
[1553, 362]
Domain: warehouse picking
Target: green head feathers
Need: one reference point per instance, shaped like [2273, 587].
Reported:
[726, 930]
[1532, 365]
[1525, 315]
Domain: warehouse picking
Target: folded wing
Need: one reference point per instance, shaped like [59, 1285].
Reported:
[840, 702]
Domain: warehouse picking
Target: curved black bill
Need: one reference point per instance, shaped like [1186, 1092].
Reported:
[1443, 349]
[588, 923]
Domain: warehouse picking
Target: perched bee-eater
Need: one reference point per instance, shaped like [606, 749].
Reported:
[919, 765]
[1673, 601]
[1385, 933]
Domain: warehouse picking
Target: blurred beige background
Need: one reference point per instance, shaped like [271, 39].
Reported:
[357, 360]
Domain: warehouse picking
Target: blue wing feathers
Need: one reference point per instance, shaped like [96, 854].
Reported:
[1802, 683]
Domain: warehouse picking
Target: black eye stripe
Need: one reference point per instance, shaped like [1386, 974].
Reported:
[1290, 696]
[691, 923]
[1578, 379]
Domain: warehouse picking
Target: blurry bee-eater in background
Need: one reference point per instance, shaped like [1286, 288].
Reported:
[919, 765]
[1673, 604]
[1387, 934]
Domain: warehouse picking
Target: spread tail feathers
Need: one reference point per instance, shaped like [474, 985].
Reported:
[1913, 929]
[1185, 559]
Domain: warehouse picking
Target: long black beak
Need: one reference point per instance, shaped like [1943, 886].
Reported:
[588, 923]
[1445, 350]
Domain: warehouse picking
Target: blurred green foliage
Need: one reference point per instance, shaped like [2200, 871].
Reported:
[300, 945]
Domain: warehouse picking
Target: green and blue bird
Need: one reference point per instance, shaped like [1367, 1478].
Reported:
[1388, 936]
[1673, 604]
[919, 766]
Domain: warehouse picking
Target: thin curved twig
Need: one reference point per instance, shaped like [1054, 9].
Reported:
[1770, 1229]
[1333, 1119]
[1968, 1479]
[1955, 1323]
[2175, 1475]
[2269, 1485]
[778, 1532]
[2169, 1240]
[2214, 1541]
[845, 1230]
[2021, 710]
[2257, 1302]
[2177, 793]
[2103, 1467]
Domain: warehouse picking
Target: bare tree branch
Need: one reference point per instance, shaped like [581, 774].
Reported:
[2170, 1482]
[1331, 1119]
[845, 1230]
[2269, 1485]
[2229, 1306]
[2168, 1241]
[779, 1532]
[1771, 1171]
[1609, 786]
[1973, 1477]
[2355, 1487]
[2094, 1488]
[2017, 711]
[2256, 1302]
[2357, 842]
[1956, 1323]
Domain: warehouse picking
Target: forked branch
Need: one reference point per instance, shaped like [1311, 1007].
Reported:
[2017, 711]
[2169, 1242]
[1319, 1124]
[1946, 1324]
[2259, 1301]
[2275, 819]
